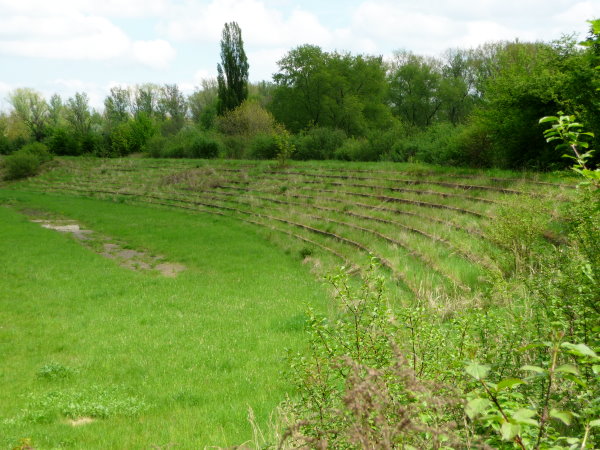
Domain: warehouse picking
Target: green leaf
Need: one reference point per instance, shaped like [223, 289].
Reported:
[579, 349]
[509, 431]
[477, 407]
[568, 368]
[548, 119]
[564, 416]
[530, 346]
[508, 383]
[524, 416]
[595, 423]
[536, 369]
[575, 379]
[477, 371]
[596, 369]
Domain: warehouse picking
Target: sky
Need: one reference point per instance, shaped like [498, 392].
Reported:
[68, 46]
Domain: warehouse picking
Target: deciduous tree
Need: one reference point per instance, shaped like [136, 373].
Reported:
[31, 107]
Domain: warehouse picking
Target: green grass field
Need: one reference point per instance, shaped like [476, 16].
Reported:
[154, 360]
[150, 360]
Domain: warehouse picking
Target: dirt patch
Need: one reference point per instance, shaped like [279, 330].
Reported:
[170, 270]
[65, 226]
[80, 421]
[122, 253]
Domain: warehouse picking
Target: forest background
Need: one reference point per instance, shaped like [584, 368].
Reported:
[474, 107]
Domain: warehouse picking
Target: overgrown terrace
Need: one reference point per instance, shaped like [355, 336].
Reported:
[427, 229]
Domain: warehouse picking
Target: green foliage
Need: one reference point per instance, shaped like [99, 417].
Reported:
[264, 146]
[77, 113]
[285, 146]
[21, 165]
[555, 405]
[94, 402]
[117, 106]
[232, 76]
[188, 143]
[414, 88]
[438, 144]
[55, 371]
[318, 143]
[171, 108]
[61, 141]
[564, 128]
[27, 161]
[520, 227]
[530, 80]
[39, 150]
[341, 91]
[354, 387]
[248, 119]
[352, 149]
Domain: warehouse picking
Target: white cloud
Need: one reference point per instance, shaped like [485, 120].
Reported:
[5, 88]
[203, 74]
[68, 87]
[261, 26]
[574, 17]
[157, 53]
[111, 8]
[78, 37]
[263, 63]
[431, 27]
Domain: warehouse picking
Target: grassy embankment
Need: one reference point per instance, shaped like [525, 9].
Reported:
[187, 356]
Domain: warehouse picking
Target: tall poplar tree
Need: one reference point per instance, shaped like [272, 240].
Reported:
[232, 75]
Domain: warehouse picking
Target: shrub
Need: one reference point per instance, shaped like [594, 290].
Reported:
[318, 143]
[156, 145]
[203, 146]
[248, 119]
[6, 146]
[351, 150]
[39, 150]
[264, 146]
[62, 142]
[21, 164]
[437, 144]
[236, 147]
[188, 143]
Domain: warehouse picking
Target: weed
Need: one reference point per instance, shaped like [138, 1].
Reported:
[55, 371]
[305, 252]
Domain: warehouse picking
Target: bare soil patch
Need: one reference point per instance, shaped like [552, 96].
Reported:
[123, 254]
[80, 421]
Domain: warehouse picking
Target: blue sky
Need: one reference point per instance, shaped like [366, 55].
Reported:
[66, 46]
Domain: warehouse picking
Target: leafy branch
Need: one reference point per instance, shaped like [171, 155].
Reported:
[565, 128]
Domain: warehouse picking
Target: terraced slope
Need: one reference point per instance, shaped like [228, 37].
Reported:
[426, 227]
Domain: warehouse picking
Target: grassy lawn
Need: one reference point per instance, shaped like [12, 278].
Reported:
[153, 360]
[147, 360]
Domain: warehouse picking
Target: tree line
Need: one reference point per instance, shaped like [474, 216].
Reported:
[472, 107]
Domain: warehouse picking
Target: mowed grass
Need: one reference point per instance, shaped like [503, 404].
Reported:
[154, 361]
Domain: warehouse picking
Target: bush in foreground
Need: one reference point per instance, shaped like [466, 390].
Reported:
[26, 162]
